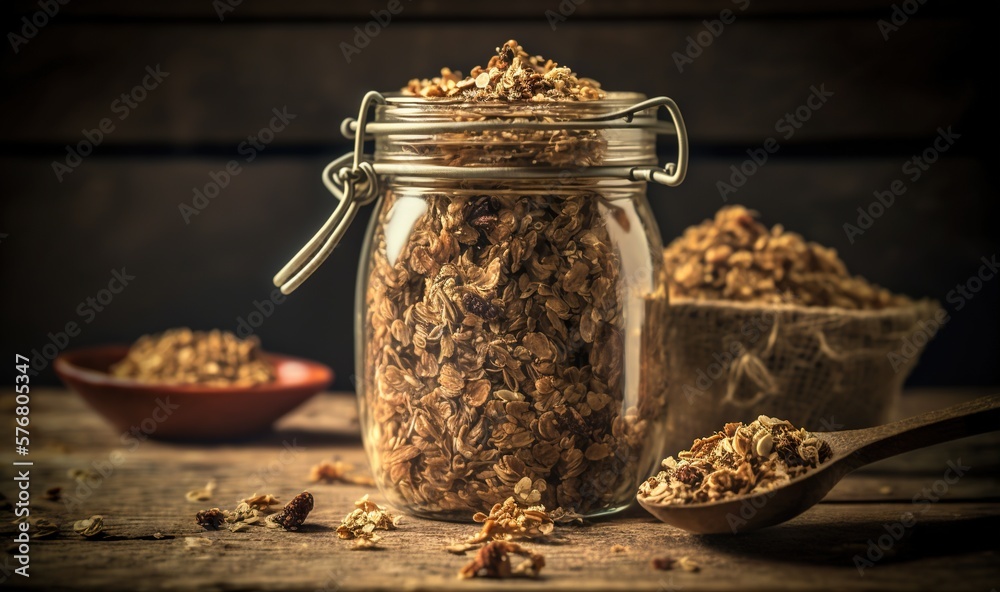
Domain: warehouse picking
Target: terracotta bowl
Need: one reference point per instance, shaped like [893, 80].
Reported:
[188, 412]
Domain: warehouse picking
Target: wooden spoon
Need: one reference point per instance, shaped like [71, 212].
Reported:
[851, 449]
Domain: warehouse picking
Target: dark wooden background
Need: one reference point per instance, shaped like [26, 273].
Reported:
[120, 206]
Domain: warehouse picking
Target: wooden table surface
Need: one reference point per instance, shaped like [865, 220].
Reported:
[952, 546]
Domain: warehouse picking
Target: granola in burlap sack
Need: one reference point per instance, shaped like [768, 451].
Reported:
[763, 322]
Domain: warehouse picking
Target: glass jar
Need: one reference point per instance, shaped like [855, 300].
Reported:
[510, 301]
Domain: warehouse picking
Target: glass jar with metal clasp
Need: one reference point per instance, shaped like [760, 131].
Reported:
[509, 335]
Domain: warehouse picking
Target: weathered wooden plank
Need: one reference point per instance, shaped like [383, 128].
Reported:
[814, 552]
[144, 494]
[224, 81]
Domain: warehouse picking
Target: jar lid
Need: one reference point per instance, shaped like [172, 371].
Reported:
[354, 177]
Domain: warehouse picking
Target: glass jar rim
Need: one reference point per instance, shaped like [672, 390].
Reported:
[610, 98]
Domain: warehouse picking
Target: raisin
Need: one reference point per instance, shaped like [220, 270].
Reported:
[294, 513]
[480, 307]
[210, 519]
[483, 214]
[689, 475]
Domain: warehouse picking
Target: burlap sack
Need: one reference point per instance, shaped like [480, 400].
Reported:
[820, 368]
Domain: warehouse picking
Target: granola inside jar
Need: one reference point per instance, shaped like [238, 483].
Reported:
[509, 324]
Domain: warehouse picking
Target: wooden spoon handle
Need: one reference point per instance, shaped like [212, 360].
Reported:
[958, 421]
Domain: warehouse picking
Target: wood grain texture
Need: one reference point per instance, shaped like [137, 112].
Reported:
[951, 543]
[454, 9]
[223, 81]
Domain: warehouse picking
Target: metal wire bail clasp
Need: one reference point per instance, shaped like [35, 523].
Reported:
[673, 173]
[357, 184]
[354, 186]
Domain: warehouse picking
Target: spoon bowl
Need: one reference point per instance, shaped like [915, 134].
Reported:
[851, 449]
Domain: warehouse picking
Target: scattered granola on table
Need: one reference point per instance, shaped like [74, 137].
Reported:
[508, 521]
[248, 511]
[360, 525]
[669, 563]
[735, 257]
[258, 503]
[688, 564]
[294, 514]
[493, 561]
[338, 471]
[210, 519]
[207, 358]
[251, 510]
[90, 527]
[739, 460]
[201, 495]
